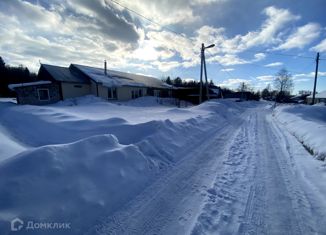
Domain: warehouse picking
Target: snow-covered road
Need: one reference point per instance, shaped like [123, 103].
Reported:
[251, 177]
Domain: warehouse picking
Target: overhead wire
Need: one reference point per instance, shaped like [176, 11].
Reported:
[220, 64]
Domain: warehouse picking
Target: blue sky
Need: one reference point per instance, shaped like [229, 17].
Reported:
[254, 39]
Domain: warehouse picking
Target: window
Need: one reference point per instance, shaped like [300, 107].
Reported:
[112, 93]
[43, 94]
[140, 92]
[132, 94]
[78, 86]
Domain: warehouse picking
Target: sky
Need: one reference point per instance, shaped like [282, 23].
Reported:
[253, 39]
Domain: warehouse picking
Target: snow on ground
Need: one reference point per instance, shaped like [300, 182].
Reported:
[91, 156]
[307, 123]
[13, 100]
[144, 168]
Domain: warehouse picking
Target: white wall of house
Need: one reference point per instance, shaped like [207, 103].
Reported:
[71, 90]
[103, 92]
[125, 93]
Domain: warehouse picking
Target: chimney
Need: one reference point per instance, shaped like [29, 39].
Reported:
[105, 72]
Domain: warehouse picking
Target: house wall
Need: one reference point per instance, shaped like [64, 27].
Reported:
[29, 94]
[317, 100]
[93, 88]
[103, 92]
[71, 90]
[125, 93]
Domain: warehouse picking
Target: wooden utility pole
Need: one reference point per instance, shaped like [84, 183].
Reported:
[207, 91]
[203, 66]
[201, 73]
[315, 83]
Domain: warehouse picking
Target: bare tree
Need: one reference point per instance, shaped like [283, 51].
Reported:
[283, 83]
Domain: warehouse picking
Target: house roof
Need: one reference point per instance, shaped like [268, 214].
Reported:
[63, 74]
[319, 95]
[13, 86]
[116, 78]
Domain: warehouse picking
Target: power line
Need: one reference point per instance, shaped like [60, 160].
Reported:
[164, 27]
[148, 19]
[220, 64]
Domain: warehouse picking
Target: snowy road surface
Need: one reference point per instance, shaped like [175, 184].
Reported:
[251, 177]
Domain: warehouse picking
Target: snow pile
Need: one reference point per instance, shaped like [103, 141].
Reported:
[73, 181]
[307, 124]
[84, 158]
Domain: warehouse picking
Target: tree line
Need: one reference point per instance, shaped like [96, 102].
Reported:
[13, 74]
[280, 91]
[178, 82]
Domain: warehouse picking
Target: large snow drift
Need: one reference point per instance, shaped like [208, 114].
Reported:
[83, 158]
[307, 124]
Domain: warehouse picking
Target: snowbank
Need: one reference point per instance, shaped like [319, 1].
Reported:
[72, 182]
[307, 124]
[84, 158]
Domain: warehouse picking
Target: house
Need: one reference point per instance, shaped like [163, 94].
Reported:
[60, 83]
[319, 98]
[191, 94]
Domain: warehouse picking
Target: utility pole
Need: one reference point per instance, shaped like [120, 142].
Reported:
[203, 66]
[201, 73]
[315, 83]
[207, 91]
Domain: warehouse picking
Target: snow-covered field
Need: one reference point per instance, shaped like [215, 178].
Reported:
[139, 167]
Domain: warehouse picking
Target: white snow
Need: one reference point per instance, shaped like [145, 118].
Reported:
[319, 95]
[307, 123]
[145, 168]
[13, 86]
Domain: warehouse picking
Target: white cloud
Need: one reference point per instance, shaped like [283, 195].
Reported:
[168, 12]
[166, 65]
[321, 47]
[259, 57]
[275, 64]
[277, 19]
[232, 59]
[99, 30]
[266, 77]
[308, 75]
[232, 82]
[303, 36]
[201, 2]
[227, 70]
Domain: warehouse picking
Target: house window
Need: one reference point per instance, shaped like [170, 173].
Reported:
[43, 94]
[112, 93]
[78, 86]
[140, 92]
[133, 94]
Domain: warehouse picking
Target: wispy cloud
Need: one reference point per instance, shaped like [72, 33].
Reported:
[232, 82]
[303, 36]
[274, 64]
[266, 77]
[227, 70]
[321, 47]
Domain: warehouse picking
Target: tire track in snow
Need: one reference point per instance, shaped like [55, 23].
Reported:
[170, 205]
[221, 212]
[258, 191]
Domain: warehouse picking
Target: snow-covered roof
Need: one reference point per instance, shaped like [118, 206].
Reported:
[13, 86]
[117, 78]
[64, 74]
[215, 90]
[319, 95]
